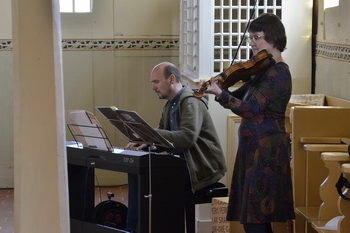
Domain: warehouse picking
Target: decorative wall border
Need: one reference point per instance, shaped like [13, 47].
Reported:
[333, 51]
[109, 44]
[120, 44]
[5, 45]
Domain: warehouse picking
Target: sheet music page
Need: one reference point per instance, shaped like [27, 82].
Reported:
[133, 126]
[332, 224]
[87, 129]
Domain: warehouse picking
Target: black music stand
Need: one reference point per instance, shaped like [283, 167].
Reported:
[134, 127]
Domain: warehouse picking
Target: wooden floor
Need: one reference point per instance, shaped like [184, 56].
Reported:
[6, 210]
[6, 203]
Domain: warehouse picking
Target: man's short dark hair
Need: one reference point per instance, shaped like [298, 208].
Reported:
[171, 69]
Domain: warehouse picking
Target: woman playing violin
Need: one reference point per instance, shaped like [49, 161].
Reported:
[261, 190]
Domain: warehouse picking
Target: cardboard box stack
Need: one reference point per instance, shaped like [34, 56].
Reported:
[219, 223]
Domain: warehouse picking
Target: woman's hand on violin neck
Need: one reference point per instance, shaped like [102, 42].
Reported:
[213, 88]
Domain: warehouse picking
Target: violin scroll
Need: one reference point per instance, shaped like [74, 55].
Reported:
[200, 92]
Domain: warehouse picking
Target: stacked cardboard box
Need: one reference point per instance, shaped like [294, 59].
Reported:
[219, 223]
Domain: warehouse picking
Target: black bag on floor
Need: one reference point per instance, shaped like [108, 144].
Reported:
[110, 213]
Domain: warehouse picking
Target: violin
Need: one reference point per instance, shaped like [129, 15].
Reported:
[237, 72]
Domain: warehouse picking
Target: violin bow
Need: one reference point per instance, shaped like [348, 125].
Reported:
[252, 13]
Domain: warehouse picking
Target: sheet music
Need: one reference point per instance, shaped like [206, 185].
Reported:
[134, 127]
[87, 129]
[332, 224]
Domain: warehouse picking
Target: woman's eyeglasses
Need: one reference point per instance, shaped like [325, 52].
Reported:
[254, 38]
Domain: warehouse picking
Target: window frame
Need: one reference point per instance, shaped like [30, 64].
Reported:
[73, 7]
[207, 29]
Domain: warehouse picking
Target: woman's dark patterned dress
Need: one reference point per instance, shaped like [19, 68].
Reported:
[261, 189]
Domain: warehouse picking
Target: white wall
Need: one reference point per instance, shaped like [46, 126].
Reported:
[6, 120]
[6, 98]
[5, 19]
[297, 20]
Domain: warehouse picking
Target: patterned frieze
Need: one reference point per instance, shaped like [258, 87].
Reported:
[109, 44]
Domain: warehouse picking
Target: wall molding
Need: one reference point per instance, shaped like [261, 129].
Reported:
[333, 51]
[5, 45]
[109, 44]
